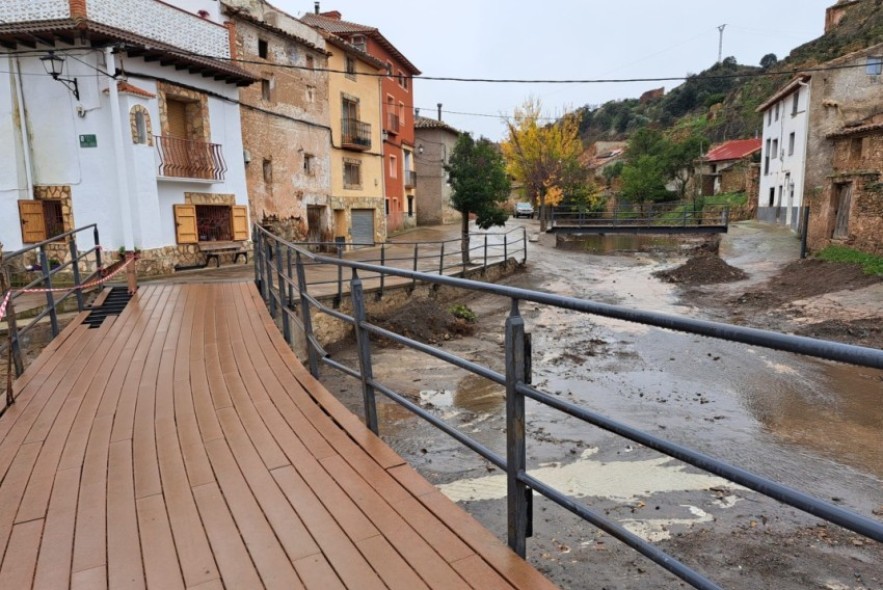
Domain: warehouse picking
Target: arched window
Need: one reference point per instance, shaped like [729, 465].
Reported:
[139, 117]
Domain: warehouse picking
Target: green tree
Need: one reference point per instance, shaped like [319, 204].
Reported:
[643, 180]
[679, 160]
[479, 183]
[768, 61]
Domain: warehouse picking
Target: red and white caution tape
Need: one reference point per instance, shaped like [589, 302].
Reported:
[89, 285]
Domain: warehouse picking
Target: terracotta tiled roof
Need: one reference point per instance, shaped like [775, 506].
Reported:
[733, 150]
[132, 89]
[784, 91]
[346, 29]
[341, 43]
[427, 123]
[136, 45]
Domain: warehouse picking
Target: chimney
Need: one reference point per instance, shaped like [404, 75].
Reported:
[416, 113]
[439, 111]
[316, 6]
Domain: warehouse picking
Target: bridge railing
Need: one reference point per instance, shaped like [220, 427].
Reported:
[445, 257]
[276, 283]
[45, 270]
[687, 218]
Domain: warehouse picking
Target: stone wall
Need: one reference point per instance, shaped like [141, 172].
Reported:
[736, 178]
[342, 208]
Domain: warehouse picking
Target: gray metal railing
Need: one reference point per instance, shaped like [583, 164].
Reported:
[277, 283]
[566, 218]
[47, 271]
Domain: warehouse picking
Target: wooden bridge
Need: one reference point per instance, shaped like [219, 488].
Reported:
[182, 445]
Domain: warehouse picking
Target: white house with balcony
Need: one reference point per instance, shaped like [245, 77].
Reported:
[783, 159]
[122, 113]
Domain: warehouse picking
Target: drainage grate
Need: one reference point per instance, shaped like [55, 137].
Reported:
[114, 304]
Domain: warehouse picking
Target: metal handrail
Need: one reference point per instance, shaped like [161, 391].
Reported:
[188, 158]
[44, 282]
[686, 218]
[516, 378]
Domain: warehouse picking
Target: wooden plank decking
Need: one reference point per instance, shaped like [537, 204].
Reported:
[182, 445]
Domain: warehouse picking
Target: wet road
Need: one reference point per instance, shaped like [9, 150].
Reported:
[814, 425]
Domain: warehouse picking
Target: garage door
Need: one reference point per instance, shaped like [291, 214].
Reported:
[363, 227]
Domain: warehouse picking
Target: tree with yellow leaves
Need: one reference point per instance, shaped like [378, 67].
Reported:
[544, 158]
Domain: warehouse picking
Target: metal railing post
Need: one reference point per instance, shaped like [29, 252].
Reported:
[268, 277]
[50, 298]
[524, 244]
[75, 267]
[685, 218]
[517, 493]
[441, 260]
[11, 325]
[382, 275]
[363, 343]
[726, 219]
[256, 240]
[416, 258]
[505, 247]
[290, 278]
[339, 297]
[286, 325]
[484, 268]
[97, 249]
[306, 318]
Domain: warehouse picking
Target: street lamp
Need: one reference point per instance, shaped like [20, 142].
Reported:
[54, 65]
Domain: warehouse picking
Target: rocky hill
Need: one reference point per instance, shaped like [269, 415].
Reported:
[719, 103]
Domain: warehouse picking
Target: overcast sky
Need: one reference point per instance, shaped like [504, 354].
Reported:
[567, 39]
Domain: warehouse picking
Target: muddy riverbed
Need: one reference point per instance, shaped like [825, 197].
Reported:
[813, 425]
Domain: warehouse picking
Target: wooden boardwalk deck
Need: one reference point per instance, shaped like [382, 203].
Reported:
[182, 445]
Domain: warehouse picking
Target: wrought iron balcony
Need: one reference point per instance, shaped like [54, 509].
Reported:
[410, 179]
[355, 134]
[185, 158]
[392, 123]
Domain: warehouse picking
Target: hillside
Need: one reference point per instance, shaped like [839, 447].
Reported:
[724, 108]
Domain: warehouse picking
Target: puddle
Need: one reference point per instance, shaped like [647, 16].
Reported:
[473, 394]
[619, 480]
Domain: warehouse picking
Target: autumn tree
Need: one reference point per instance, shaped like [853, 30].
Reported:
[544, 158]
[479, 185]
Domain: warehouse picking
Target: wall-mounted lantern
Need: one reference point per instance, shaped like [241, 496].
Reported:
[54, 66]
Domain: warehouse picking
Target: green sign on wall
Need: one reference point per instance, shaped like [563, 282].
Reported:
[88, 141]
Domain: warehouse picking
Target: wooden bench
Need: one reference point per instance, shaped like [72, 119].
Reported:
[215, 249]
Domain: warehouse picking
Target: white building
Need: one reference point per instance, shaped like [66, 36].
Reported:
[138, 132]
[783, 160]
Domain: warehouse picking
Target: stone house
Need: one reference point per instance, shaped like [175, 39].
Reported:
[435, 141]
[780, 197]
[138, 130]
[726, 168]
[286, 121]
[397, 122]
[844, 163]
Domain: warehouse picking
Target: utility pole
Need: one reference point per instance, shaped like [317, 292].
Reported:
[720, 46]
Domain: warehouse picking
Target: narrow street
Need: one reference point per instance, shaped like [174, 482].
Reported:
[809, 424]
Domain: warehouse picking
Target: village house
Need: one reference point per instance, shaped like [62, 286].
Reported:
[286, 121]
[726, 168]
[785, 135]
[397, 96]
[130, 123]
[844, 157]
[435, 141]
[357, 202]
[602, 156]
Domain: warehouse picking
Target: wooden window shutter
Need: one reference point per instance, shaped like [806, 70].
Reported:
[240, 223]
[185, 224]
[176, 115]
[33, 223]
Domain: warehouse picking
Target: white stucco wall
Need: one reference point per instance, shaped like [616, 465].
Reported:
[55, 122]
[785, 168]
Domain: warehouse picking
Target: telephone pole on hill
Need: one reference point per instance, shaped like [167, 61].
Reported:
[720, 46]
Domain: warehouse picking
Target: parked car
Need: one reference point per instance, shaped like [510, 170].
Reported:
[524, 210]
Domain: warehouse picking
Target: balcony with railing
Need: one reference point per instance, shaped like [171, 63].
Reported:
[392, 123]
[355, 134]
[190, 159]
[410, 179]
